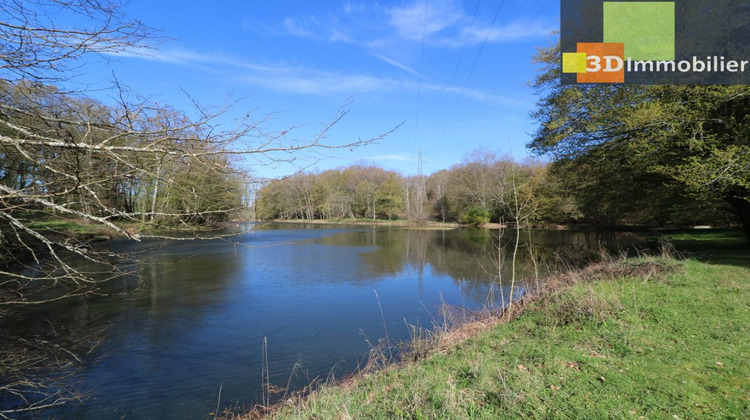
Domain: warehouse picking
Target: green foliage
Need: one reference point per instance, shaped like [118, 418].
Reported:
[74, 226]
[483, 180]
[476, 216]
[390, 197]
[654, 154]
[552, 200]
[358, 191]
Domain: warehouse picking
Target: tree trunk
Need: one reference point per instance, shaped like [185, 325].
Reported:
[741, 208]
[156, 192]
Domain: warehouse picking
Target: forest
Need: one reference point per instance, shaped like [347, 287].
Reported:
[607, 155]
[477, 191]
[89, 157]
[485, 187]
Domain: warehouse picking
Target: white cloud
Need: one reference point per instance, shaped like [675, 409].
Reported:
[484, 97]
[358, 7]
[395, 157]
[420, 18]
[514, 31]
[441, 23]
[388, 31]
[185, 57]
[287, 78]
[315, 82]
[298, 27]
[397, 64]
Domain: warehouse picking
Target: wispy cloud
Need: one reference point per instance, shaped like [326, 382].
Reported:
[317, 82]
[394, 157]
[477, 95]
[185, 57]
[388, 31]
[438, 23]
[396, 64]
[421, 19]
[519, 29]
[288, 78]
[298, 27]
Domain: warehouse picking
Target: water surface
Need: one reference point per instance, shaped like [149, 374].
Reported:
[196, 319]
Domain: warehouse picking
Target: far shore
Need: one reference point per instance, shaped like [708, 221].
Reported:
[430, 224]
[370, 222]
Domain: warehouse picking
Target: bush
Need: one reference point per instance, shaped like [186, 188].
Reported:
[476, 216]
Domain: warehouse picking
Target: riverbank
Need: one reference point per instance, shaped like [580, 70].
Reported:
[429, 224]
[639, 338]
[83, 232]
[371, 222]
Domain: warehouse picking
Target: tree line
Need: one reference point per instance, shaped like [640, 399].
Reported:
[485, 187]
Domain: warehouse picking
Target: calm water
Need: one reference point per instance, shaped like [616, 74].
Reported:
[196, 320]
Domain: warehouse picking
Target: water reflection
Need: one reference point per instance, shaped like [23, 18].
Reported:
[196, 317]
[473, 254]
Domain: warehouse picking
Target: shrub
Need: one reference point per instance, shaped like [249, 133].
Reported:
[476, 216]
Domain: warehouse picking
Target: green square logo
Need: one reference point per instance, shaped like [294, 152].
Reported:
[646, 28]
[574, 62]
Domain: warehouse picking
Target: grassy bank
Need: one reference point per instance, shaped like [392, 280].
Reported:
[648, 338]
[85, 230]
[73, 227]
[74, 230]
[63, 229]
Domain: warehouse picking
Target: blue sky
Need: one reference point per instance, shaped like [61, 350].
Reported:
[455, 72]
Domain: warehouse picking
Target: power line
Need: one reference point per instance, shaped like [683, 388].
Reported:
[458, 63]
[474, 65]
[421, 64]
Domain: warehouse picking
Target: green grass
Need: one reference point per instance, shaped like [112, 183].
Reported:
[715, 246]
[711, 236]
[671, 346]
[71, 227]
[87, 230]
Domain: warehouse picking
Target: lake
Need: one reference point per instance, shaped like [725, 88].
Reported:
[194, 322]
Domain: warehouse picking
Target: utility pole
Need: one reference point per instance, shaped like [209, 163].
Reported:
[420, 187]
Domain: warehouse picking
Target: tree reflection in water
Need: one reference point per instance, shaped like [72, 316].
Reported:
[197, 315]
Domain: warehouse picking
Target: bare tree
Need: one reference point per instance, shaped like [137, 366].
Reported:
[64, 155]
[33, 47]
[516, 200]
[78, 156]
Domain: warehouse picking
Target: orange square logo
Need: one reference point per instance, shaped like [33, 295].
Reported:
[605, 62]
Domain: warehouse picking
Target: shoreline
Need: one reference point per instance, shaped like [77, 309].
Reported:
[446, 341]
[454, 225]
[368, 222]
[577, 320]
